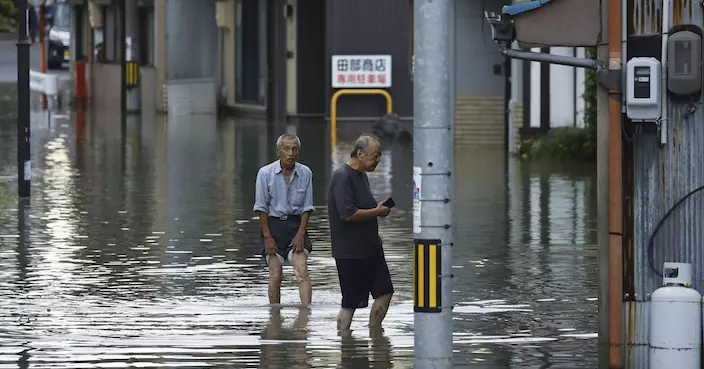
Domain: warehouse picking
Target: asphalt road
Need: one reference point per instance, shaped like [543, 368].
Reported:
[8, 61]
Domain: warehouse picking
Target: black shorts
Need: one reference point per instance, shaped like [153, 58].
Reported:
[283, 232]
[360, 277]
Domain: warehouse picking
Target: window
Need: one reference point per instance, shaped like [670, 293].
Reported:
[112, 29]
[146, 35]
[62, 16]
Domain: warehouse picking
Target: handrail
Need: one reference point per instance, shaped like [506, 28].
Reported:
[47, 84]
[333, 107]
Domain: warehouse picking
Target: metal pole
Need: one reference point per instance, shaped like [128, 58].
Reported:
[615, 195]
[131, 25]
[42, 42]
[432, 213]
[602, 185]
[24, 166]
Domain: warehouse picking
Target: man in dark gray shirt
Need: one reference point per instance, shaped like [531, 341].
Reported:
[354, 231]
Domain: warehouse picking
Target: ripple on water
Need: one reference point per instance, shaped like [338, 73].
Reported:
[148, 256]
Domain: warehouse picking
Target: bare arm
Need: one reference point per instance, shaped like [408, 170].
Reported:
[363, 214]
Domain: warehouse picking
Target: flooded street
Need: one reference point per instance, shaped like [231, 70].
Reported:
[143, 251]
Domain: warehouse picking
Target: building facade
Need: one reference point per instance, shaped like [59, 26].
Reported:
[273, 59]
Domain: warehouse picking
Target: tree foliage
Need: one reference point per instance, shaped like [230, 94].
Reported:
[8, 15]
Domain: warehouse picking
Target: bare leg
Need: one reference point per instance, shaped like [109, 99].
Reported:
[344, 319]
[275, 277]
[300, 270]
[379, 309]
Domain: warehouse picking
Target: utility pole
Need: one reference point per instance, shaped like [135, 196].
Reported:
[24, 166]
[432, 169]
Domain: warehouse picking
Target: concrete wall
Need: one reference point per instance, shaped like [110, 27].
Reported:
[150, 89]
[106, 82]
[191, 39]
[479, 77]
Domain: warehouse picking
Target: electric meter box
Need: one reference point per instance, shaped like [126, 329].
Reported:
[643, 89]
[684, 64]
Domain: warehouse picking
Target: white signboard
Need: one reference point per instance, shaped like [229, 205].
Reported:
[416, 199]
[361, 71]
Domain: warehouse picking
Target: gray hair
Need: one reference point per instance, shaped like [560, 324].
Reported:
[364, 143]
[287, 136]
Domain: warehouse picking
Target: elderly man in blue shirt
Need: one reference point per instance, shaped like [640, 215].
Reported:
[284, 201]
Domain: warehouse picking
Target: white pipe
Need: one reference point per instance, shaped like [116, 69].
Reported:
[666, 6]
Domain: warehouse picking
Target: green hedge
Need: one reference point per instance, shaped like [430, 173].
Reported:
[570, 143]
[564, 143]
[8, 15]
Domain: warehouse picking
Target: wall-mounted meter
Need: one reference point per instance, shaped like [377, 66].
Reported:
[643, 89]
[684, 63]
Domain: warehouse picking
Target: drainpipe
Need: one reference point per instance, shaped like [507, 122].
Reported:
[666, 10]
[615, 194]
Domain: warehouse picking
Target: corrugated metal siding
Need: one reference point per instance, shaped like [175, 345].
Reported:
[187, 97]
[371, 27]
[636, 328]
[661, 176]
[479, 121]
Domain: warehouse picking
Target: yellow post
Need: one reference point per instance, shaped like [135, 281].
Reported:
[333, 107]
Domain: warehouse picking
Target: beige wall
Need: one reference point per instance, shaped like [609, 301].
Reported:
[228, 10]
[160, 62]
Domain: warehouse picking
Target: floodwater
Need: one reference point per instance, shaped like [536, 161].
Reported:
[138, 248]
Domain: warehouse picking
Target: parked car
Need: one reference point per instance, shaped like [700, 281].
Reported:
[59, 34]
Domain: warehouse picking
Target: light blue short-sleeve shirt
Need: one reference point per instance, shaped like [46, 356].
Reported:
[277, 198]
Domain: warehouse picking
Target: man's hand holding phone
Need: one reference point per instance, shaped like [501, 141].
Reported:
[385, 207]
[382, 210]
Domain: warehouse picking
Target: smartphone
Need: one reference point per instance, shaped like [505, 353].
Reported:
[389, 203]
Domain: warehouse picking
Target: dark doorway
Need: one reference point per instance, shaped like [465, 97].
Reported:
[250, 31]
[312, 74]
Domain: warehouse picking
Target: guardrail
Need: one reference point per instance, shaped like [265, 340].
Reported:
[47, 84]
[333, 107]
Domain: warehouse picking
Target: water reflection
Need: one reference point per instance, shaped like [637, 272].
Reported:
[355, 352]
[285, 346]
[139, 248]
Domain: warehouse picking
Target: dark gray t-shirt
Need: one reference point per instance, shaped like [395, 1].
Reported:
[349, 190]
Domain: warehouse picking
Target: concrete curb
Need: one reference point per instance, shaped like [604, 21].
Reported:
[7, 36]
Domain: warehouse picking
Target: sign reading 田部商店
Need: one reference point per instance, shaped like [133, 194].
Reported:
[361, 71]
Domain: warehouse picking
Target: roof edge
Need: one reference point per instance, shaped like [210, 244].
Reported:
[521, 8]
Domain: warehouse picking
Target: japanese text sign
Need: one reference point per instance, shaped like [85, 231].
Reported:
[361, 71]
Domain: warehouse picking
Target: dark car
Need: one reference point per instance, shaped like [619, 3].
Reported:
[59, 35]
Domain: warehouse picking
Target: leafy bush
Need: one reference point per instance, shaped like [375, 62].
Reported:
[564, 143]
[8, 15]
[570, 142]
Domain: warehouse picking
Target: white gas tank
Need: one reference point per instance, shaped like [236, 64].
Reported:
[676, 321]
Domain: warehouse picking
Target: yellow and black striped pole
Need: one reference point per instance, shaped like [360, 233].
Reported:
[131, 74]
[427, 268]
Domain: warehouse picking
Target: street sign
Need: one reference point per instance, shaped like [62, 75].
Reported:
[361, 71]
